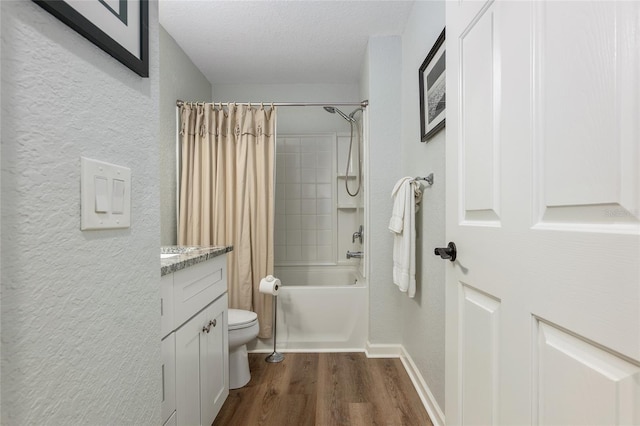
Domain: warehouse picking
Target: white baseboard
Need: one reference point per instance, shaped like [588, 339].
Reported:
[377, 350]
[304, 350]
[428, 400]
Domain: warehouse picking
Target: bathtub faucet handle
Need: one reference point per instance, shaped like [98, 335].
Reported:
[359, 234]
[355, 254]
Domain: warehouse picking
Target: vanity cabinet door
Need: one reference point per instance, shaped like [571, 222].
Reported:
[214, 360]
[188, 340]
[202, 365]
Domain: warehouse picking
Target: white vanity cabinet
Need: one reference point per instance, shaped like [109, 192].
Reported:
[202, 383]
[195, 349]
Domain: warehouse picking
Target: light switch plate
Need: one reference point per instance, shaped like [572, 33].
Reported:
[97, 209]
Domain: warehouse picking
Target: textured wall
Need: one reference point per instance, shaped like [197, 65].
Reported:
[80, 317]
[423, 317]
[384, 56]
[179, 79]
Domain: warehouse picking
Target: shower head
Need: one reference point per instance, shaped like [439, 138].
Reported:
[334, 110]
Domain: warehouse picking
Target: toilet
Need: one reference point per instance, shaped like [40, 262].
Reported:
[243, 328]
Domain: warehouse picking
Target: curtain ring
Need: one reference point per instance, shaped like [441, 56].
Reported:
[249, 105]
[261, 105]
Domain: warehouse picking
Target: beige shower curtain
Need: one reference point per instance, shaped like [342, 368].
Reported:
[226, 194]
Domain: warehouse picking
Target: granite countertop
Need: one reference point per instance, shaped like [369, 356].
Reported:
[188, 256]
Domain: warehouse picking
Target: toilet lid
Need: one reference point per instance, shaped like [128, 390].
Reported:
[239, 318]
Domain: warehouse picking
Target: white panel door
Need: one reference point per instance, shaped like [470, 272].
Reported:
[543, 203]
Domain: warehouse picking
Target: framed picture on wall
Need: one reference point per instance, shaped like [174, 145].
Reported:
[119, 27]
[433, 90]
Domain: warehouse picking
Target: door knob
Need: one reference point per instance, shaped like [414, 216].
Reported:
[448, 252]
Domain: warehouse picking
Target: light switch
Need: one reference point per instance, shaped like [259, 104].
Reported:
[105, 191]
[117, 199]
[102, 195]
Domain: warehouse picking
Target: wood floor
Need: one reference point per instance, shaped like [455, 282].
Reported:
[324, 389]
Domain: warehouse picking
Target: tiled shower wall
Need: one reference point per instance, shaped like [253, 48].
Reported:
[305, 213]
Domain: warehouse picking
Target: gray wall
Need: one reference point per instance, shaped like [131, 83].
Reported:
[179, 79]
[80, 317]
[383, 166]
[423, 317]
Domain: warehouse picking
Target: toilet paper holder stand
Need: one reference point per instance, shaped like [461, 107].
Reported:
[275, 355]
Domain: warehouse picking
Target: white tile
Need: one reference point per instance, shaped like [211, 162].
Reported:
[292, 191]
[292, 144]
[307, 144]
[280, 208]
[279, 191]
[343, 154]
[308, 160]
[293, 253]
[324, 159]
[323, 190]
[308, 253]
[308, 190]
[293, 222]
[280, 238]
[324, 253]
[281, 223]
[308, 206]
[292, 160]
[293, 175]
[324, 222]
[280, 168]
[308, 176]
[308, 238]
[280, 253]
[308, 222]
[294, 238]
[324, 206]
[324, 238]
[323, 175]
[324, 144]
[292, 206]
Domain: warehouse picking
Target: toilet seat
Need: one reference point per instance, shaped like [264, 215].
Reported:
[239, 318]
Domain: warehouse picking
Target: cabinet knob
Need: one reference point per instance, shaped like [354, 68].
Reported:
[207, 328]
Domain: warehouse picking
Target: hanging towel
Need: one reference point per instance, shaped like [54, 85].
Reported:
[402, 224]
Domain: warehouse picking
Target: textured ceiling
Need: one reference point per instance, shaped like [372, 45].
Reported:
[280, 42]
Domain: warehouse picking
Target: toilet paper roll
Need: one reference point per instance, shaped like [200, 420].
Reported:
[270, 285]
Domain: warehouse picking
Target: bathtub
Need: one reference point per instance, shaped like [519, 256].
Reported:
[320, 309]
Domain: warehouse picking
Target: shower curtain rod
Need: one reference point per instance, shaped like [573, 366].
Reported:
[362, 104]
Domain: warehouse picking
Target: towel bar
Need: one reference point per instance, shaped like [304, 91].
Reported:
[428, 178]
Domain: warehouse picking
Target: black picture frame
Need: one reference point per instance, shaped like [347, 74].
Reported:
[97, 35]
[431, 79]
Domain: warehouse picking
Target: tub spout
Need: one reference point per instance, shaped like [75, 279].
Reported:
[355, 254]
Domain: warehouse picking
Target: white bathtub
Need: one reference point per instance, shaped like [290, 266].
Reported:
[320, 308]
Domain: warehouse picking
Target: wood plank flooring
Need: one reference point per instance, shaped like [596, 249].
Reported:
[324, 389]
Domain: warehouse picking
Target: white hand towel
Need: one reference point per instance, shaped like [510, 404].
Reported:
[402, 224]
